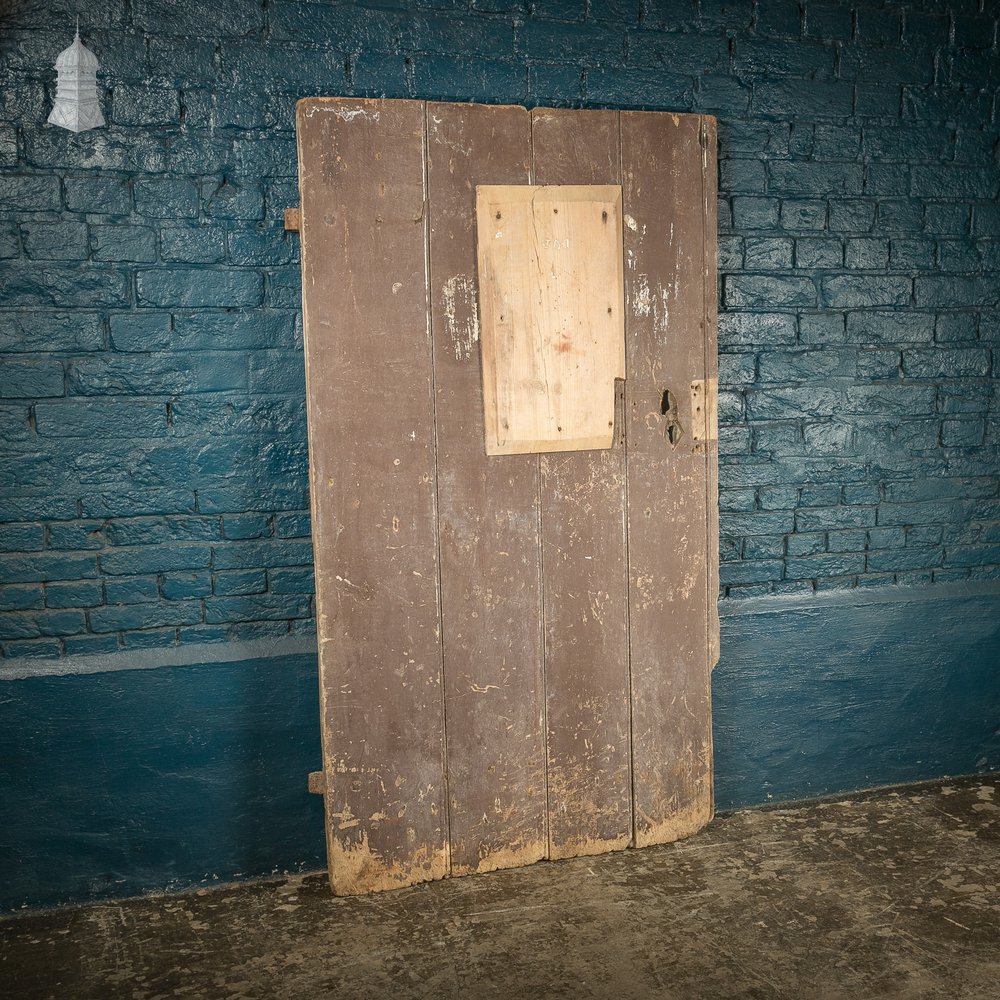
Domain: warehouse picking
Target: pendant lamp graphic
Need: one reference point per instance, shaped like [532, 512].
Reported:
[76, 106]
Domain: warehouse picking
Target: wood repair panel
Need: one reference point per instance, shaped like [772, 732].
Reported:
[551, 298]
[515, 648]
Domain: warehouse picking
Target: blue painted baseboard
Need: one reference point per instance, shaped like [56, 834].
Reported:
[118, 781]
[855, 691]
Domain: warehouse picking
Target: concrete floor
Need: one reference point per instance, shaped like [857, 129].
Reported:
[889, 894]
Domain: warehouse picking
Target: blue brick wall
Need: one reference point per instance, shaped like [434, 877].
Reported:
[153, 481]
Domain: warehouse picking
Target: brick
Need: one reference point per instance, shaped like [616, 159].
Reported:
[966, 433]
[866, 254]
[899, 216]
[755, 213]
[769, 292]
[202, 245]
[955, 292]
[804, 366]
[157, 373]
[846, 541]
[185, 287]
[905, 254]
[925, 535]
[803, 215]
[27, 193]
[156, 530]
[246, 330]
[750, 572]
[975, 32]
[155, 638]
[140, 331]
[854, 291]
[50, 331]
[74, 594]
[166, 18]
[788, 177]
[822, 328]
[944, 362]
[263, 552]
[291, 580]
[904, 559]
[133, 105]
[98, 195]
[131, 589]
[240, 581]
[874, 364]
[75, 535]
[886, 538]
[55, 240]
[21, 597]
[186, 586]
[142, 616]
[22, 537]
[101, 418]
[34, 649]
[296, 524]
[44, 566]
[819, 253]
[166, 197]
[90, 645]
[263, 246]
[768, 253]
[123, 243]
[825, 564]
[808, 99]
[155, 559]
[802, 544]
[855, 216]
[31, 379]
[242, 526]
[954, 181]
[737, 369]
[257, 607]
[62, 287]
[826, 518]
[230, 200]
[890, 327]
[829, 438]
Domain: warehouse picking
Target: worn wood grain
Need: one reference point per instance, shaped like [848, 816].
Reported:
[710, 210]
[552, 337]
[490, 551]
[667, 482]
[585, 572]
[371, 437]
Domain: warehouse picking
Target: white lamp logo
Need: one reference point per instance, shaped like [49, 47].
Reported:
[76, 106]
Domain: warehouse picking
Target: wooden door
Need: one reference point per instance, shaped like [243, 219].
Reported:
[514, 650]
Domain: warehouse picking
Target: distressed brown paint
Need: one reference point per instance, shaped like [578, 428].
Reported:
[491, 628]
[371, 437]
[490, 553]
[585, 572]
[668, 485]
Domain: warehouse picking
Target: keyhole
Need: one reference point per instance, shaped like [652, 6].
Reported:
[672, 431]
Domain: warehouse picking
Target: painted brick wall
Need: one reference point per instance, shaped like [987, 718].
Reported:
[153, 482]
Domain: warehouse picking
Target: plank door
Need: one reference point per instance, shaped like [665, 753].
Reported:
[373, 486]
[515, 649]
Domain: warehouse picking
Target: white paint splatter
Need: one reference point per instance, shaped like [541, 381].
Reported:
[461, 315]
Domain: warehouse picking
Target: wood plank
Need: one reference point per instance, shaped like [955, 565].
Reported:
[709, 186]
[490, 551]
[585, 576]
[666, 243]
[372, 474]
[553, 336]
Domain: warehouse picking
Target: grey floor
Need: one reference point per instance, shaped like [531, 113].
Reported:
[890, 894]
